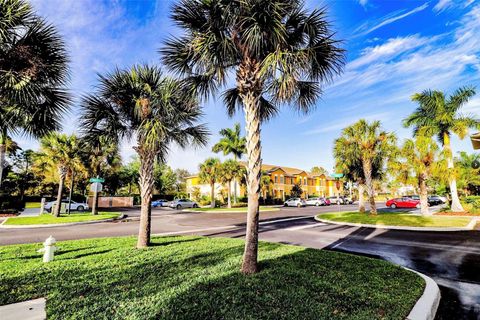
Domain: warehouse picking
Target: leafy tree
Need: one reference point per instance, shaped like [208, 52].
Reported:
[181, 183]
[23, 167]
[157, 110]
[33, 74]
[418, 160]
[367, 146]
[468, 173]
[210, 172]
[296, 191]
[164, 179]
[129, 175]
[279, 53]
[60, 151]
[319, 171]
[230, 171]
[438, 115]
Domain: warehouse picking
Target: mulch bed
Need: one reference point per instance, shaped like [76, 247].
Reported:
[461, 214]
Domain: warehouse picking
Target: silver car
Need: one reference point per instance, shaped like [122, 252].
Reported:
[316, 202]
[182, 203]
[74, 206]
[294, 202]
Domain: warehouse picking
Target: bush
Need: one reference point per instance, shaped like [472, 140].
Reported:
[9, 204]
[471, 204]
[239, 205]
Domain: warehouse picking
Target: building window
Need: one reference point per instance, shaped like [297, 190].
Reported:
[305, 181]
[282, 179]
[276, 179]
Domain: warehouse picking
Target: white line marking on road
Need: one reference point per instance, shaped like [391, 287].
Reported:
[194, 230]
[306, 227]
[282, 220]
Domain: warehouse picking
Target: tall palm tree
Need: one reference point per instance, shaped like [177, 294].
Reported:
[210, 172]
[349, 162]
[279, 53]
[439, 115]
[157, 110]
[33, 74]
[369, 146]
[418, 159]
[60, 151]
[230, 171]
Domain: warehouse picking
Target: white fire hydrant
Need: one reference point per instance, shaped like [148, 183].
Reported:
[48, 249]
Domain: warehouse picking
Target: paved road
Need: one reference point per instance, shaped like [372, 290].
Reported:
[451, 258]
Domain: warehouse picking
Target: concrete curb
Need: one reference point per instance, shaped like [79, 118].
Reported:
[469, 227]
[25, 310]
[36, 226]
[274, 209]
[426, 307]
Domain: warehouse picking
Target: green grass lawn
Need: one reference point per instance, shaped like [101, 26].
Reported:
[64, 218]
[199, 278]
[396, 219]
[239, 209]
[32, 205]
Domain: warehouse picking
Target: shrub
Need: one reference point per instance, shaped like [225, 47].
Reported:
[9, 204]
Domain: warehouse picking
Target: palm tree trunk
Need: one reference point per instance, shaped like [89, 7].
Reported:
[367, 172]
[235, 185]
[229, 201]
[147, 159]
[2, 160]
[249, 87]
[361, 198]
[422, 186]
[62, 172]
[212, 195]
[455, 206]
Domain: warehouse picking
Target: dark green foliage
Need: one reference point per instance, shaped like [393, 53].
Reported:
[296, 191]
[198, 278]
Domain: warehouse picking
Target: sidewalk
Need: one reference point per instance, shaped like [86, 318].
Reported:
[30, 212]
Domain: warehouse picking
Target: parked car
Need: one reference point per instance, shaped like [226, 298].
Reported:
[182, 203]
[317, 202]
[159, 203]
[404, 202]
[295, 202]
[435, 200]
[414, 197]
[340, 200]
[74, 206]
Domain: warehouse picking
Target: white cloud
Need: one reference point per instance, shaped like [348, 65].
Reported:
[383, 116]
[363, 3]
[442, 5]
[390, 18]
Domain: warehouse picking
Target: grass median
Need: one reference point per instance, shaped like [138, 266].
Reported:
[199, 278]
[64, 218]
[238, 209]
[396, 219]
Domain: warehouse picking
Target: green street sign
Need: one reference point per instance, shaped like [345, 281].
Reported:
[337, 175]
[93, 180]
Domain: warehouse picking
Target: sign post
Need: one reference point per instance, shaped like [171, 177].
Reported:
[96, 187]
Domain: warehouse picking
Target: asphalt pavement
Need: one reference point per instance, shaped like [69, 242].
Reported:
[452, 259]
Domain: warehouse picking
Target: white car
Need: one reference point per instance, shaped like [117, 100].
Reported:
[182, 203]
[295, 202]
[74, 206]
[317, 202]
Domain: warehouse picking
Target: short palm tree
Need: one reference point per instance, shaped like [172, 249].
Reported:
[230, 172]
[418, 160]
[279, 53]
[368, 146]
[231, 143]
[210, 172]
[439, 115]
[33, 74]
[157, 110]
[60, 151]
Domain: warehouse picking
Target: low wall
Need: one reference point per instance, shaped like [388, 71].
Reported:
[112, 202]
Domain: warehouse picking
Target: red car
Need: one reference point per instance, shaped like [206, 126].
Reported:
[404, 202]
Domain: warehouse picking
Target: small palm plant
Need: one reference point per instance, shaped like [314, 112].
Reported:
[438, 115]
[230, 172]
[33, 74]
[368, 146]
[210, 172]
[279, 53]
[60, 151]
[157, 110]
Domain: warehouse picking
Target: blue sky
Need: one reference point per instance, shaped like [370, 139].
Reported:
[394, 49]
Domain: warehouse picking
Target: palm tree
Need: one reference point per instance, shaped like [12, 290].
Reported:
[469, 172]
[230, 171]
[231, 143]
[210, 172]
[60, 151]
[33, 74]
[365, 145]
[418, 160]
[279, 53]
[156, 110]
[100, 155]
[265, 182]
[440, 116]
